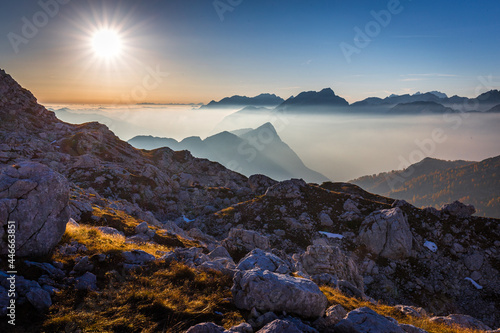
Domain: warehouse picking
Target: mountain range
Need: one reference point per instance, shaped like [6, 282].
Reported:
[326, 101]
[248, 151]
[433, 182]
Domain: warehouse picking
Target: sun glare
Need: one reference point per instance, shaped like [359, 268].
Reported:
[106, 43]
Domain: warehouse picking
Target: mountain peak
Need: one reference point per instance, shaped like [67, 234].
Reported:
[325, 98]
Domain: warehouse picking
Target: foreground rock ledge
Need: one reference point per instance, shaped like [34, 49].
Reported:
[267, 291]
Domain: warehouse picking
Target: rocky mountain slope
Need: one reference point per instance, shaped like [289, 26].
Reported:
[112, 238]
[249, 151]
[433, 182]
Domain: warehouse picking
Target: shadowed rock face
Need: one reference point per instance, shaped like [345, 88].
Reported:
[36, 198]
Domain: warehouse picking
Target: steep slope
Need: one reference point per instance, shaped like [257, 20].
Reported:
[434, 182]
[162, 181]
[259, 151]
[239, 101]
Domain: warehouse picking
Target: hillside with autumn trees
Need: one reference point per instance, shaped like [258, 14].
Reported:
[433, 182]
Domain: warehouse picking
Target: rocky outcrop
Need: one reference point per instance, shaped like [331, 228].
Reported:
[288, 189]
[267, 291]
[245, 240]
[365, 320]
[35, 199]
[458, 209]
[265, 261]
[387, 233]
[320, 259]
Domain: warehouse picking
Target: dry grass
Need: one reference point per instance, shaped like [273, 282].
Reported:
[98, 242]
[159, 299]
[350, 303]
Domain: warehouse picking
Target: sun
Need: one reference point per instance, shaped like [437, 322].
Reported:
[107, 43]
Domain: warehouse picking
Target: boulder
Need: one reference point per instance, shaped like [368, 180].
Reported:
[245, 240]
[412, 329]
[87, 281]
[319, 259]
[288, 189]
[36, 199]
[474, 261]
[458, 209]
[267, 291]
[142, 228]
[241, 328]
[206, 328]
[365, 320]
[110, 231]
[220, 252]
[138, 257]
[39, 298]
[280, 326]
[387, 233]
[462, 321]
[260, 183]
[263, 260]
[333, 315]
[325, 220]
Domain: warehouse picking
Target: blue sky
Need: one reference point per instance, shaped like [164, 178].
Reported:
[281, 47]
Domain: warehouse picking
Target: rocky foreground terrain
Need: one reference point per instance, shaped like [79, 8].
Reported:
[110, 238]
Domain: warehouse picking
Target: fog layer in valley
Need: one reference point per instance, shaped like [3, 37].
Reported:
[341, 147]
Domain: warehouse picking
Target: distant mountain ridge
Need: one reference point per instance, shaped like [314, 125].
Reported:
[248, 151]
[433, 182]
[260, 100]
[327, 101]
[325, 98]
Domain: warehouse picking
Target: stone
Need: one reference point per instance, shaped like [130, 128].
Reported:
[39, 298]
[458, 209]
[263, 260]
[245, 240]
[413, 311]
[48, 268]
[319, 259]
[72, 223]
[474, 262]
[351, 206]
[387, 233]
[219, 252]
[206, 328]
[288, 189]
[265, 319]
[325, 219]
[36, 198]
[461, 320]
[365, 320]
[412, 329]
[242, 328]
[260, 183]
[333, 315]
[87, 281]
[142, 228]
[83, 265]
[111, 231]
[138, 257]
[280, 326]
[267, 291]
